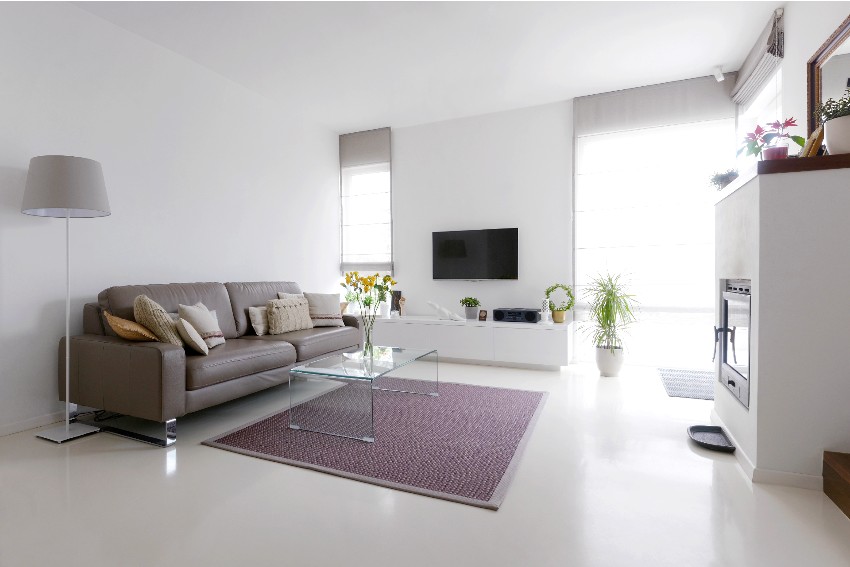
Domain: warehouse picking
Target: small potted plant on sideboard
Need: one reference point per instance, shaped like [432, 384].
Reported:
[470, 306]
[559, 310]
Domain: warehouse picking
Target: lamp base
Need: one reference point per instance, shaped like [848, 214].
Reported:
[75, 430]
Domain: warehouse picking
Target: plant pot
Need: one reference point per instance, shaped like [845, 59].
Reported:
[384, 310]
[836, 135]
[609, 362]
[471, 312]
[559, 316]
[775, 152]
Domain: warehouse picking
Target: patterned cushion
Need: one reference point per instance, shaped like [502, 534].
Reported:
[259, 320]
[129, 330]
[283, 295]
[287, 315]
[149, 313]
[204, 322]
[325, 309]
[192, 337]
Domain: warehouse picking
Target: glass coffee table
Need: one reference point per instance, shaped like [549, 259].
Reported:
[347, 410]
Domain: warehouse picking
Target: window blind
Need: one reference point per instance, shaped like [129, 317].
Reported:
[762, 62]
[366, 201]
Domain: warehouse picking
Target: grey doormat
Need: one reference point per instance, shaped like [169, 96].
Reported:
[696, 384]
[463, 445]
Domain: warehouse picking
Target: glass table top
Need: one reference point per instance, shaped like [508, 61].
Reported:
[356, 366]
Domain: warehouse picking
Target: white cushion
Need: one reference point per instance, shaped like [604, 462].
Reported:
[259, 320]
[204, 322]
[325, 309]
[191, 337]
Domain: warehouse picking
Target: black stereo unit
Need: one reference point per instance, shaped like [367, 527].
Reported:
[516, 315]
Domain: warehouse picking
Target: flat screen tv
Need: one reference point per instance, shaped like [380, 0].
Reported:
[476, 254]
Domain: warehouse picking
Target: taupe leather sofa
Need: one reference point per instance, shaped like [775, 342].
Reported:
[161, 382]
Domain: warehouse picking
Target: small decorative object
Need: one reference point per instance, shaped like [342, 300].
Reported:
[559, 311]
[471, 306]
[771, 143]
[545, 312]
[835, 117]
[369, 293]
[721, 180]
[482, 315]
[611, 311]
[401, 303]
[444, 313]
[813, 144]
[395, 303]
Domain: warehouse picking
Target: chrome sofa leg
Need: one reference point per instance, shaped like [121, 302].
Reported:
[168, 438]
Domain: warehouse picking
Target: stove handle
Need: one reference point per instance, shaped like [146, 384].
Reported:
[717, 333]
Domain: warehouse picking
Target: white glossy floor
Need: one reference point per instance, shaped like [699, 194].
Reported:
[608, 479]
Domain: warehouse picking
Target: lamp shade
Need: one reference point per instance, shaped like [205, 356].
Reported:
[60, 186]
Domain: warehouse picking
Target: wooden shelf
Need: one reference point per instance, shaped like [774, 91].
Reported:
[792, 165]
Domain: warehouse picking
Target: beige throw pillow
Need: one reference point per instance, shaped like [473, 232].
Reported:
[259, 320]
[204, 322]
[287, 315]
[284, 295]
[325, 309]
[149, 313]
[191, 336]
[129, 330]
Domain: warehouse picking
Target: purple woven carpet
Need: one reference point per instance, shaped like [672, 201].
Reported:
[462, 445]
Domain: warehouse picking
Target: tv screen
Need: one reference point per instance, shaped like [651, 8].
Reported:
[476, 254]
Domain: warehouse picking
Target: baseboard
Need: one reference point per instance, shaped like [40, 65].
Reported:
[31, 423]
[744, 460]
[767, 476]
[808, 481]
[500, 364]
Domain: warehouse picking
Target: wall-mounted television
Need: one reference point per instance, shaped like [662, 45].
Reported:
[490, 254]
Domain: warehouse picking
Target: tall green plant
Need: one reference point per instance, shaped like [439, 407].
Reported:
[611, 310]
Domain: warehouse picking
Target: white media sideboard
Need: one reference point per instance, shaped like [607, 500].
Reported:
[535, 345]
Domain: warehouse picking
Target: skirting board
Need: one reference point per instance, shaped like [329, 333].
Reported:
[520, 365]
[31, 423]
[768, 476]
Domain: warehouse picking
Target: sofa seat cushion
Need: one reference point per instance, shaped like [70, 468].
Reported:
[310, 343]
[236, 358]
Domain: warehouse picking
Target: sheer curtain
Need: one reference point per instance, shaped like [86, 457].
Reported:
[644, 208]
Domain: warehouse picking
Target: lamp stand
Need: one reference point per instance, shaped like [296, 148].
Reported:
[69, 430]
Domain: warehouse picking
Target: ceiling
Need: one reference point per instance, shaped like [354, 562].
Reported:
[360, 65]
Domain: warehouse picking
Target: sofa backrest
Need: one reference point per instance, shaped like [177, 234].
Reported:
[254, 294]
[118, 300]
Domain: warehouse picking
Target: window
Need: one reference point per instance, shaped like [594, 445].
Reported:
[366, 218]
[644, 208]
[366, 202]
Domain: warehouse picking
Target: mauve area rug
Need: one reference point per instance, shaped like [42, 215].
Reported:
[463, 445]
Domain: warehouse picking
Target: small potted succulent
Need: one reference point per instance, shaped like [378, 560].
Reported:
[771, 143]
[559, 310]
[835, 117]
[470, 306]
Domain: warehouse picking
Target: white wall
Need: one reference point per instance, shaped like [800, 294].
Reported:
[207, 182]
[807, 25]
[510, 169]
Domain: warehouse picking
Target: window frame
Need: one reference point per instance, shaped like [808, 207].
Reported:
[345, 175]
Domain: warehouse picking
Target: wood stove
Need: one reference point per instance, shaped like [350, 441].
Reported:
[733, 339]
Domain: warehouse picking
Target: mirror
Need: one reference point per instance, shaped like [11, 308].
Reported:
[828, 71]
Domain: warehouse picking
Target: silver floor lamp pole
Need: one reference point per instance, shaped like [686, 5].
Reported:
[66, 186]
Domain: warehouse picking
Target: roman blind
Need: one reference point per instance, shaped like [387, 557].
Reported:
[762, 62]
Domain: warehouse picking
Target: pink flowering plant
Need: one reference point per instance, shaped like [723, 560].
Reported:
[761, 138]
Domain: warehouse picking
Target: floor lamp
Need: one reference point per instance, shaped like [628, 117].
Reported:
[66, 187]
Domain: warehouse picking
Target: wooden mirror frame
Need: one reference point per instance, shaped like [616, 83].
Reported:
[813, 70]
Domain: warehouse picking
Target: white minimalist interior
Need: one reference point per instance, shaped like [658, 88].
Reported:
[218, 127]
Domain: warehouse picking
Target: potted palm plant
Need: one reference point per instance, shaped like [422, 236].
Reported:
[835, 117]
[611, 310]
[470, 306]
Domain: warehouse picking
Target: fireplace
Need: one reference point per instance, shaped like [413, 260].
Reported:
[732, 338]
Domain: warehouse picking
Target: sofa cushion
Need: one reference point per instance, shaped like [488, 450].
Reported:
[191, 337]
[152, 315]
[118, 300]
[253, 294]
[317, 341]
[236, 358]
[205, 322]
[129, 330]
[286, 315]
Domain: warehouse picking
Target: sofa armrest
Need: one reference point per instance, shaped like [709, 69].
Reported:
[351, 321]
[141, 379]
